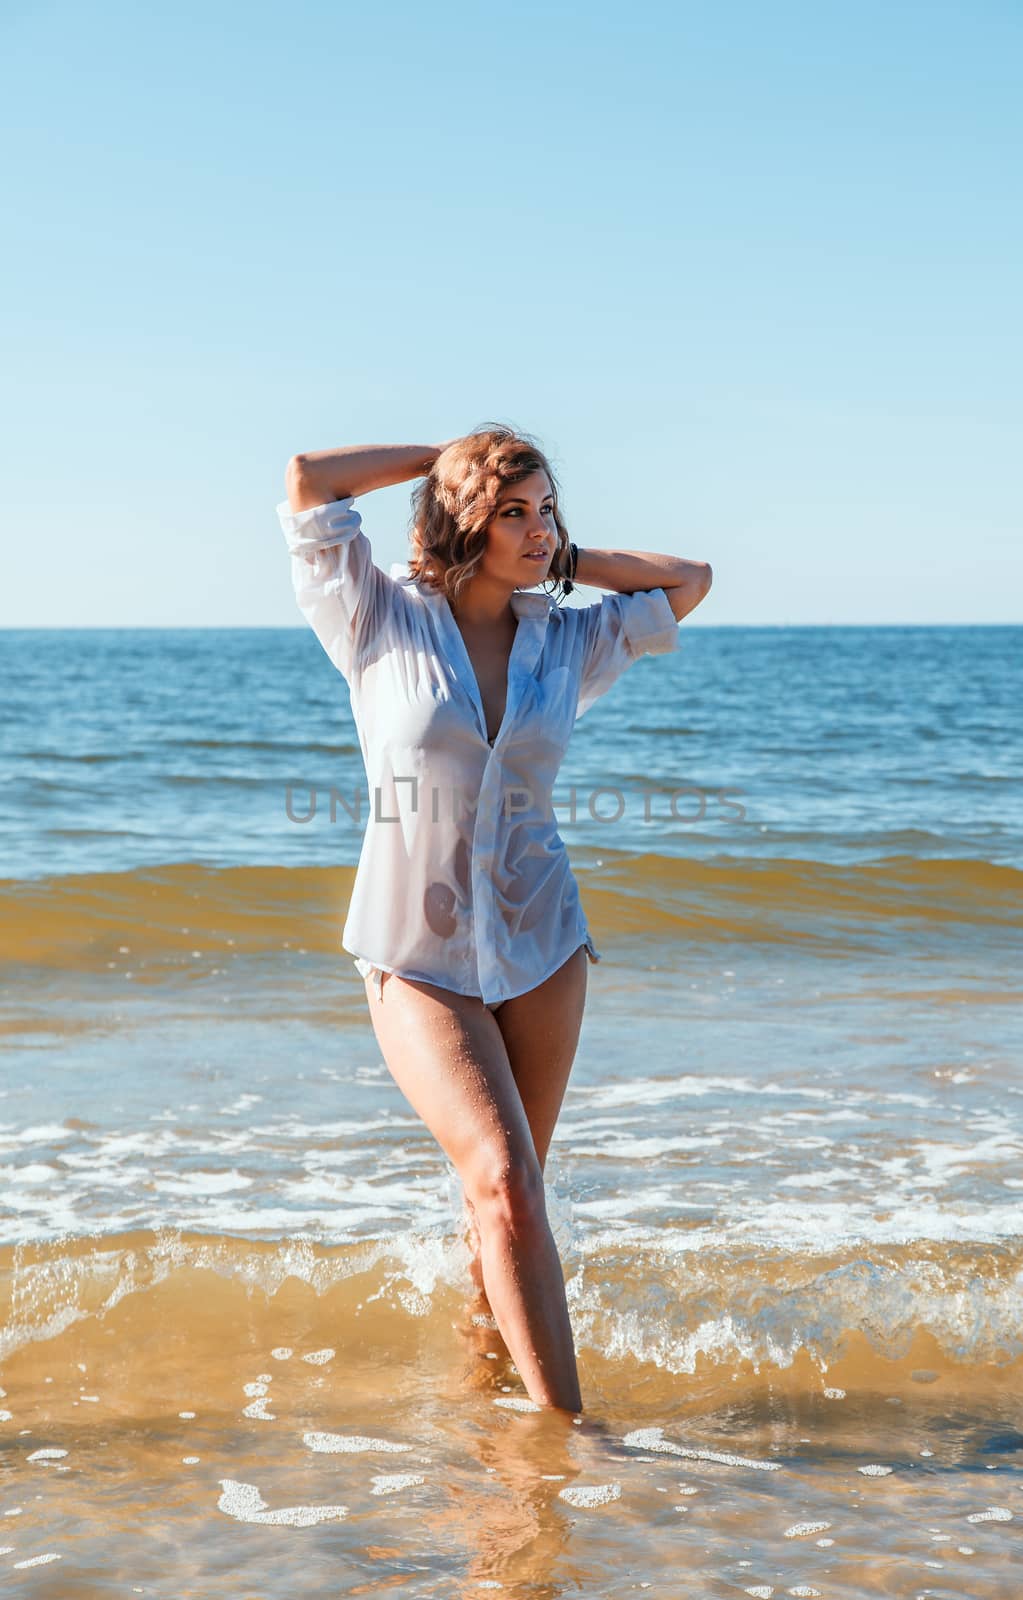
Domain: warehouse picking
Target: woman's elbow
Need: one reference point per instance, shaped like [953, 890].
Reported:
[302, 489]
[699, 578]
[686, 596]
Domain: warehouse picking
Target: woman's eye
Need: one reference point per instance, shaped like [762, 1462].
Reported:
[548, 511]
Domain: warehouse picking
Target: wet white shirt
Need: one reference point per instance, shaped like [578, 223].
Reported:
[463, 879]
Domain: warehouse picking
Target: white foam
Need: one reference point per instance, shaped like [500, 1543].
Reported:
[318, 1358]
[390, 1483]
[657, 1198]
[283, 1352]
[648, 1149]
[38, 1561]
[244, 1502]
[800, 1530]
[817, 1179]
[202, 1183]
[992, 1514]
[875, 1471]
[829, 1225]
[292, 1128]
[316, 1160]
[32, 1174]
[586, 1495]
[41, 1133]
[46, 1455]
[651, 1439]
[515, 1402]
[257, 1410]
[654, 1091]
[349, 1443]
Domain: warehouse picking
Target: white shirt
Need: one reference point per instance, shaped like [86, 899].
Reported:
[463, 879]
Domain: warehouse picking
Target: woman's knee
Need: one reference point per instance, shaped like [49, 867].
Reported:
[505, 1189]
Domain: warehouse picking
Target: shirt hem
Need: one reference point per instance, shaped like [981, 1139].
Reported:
[408, 972]
[585, 942]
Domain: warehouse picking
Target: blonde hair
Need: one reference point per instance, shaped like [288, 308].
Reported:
[453, 505]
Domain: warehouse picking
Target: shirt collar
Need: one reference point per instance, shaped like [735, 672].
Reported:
[533, 611]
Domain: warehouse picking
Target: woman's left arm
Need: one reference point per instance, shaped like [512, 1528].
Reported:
[685, 583]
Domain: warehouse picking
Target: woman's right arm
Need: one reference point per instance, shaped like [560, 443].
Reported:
[319, 477]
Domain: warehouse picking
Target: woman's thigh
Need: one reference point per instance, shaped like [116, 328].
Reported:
[541, 1033]
[447, 1056]
[481, 1079]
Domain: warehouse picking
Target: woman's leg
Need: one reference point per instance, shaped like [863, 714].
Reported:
[541, 1033]
[446, 1053]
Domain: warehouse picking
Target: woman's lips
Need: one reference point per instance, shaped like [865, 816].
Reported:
[536, 555]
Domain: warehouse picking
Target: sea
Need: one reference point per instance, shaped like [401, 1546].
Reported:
[786, 1182]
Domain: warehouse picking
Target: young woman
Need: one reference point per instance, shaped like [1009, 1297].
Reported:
[465, 920]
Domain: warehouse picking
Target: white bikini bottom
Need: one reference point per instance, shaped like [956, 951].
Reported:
[366, 969]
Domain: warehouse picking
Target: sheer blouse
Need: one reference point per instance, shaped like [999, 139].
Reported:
[463, 879]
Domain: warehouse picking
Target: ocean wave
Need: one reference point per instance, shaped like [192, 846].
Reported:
[931, 1317]
[83, 919]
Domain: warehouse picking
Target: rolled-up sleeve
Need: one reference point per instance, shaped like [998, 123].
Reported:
[343, 596]
[615, 632]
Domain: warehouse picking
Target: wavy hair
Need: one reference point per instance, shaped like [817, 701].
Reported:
[453, 505]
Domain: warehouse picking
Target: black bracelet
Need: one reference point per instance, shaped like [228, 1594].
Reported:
[573, 557]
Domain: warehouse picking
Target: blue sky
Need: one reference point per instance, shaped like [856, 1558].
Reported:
[751, 273]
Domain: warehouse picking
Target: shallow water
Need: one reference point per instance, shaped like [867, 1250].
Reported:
[786, 1180]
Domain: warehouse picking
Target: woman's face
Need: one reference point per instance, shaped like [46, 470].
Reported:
[522, 535]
